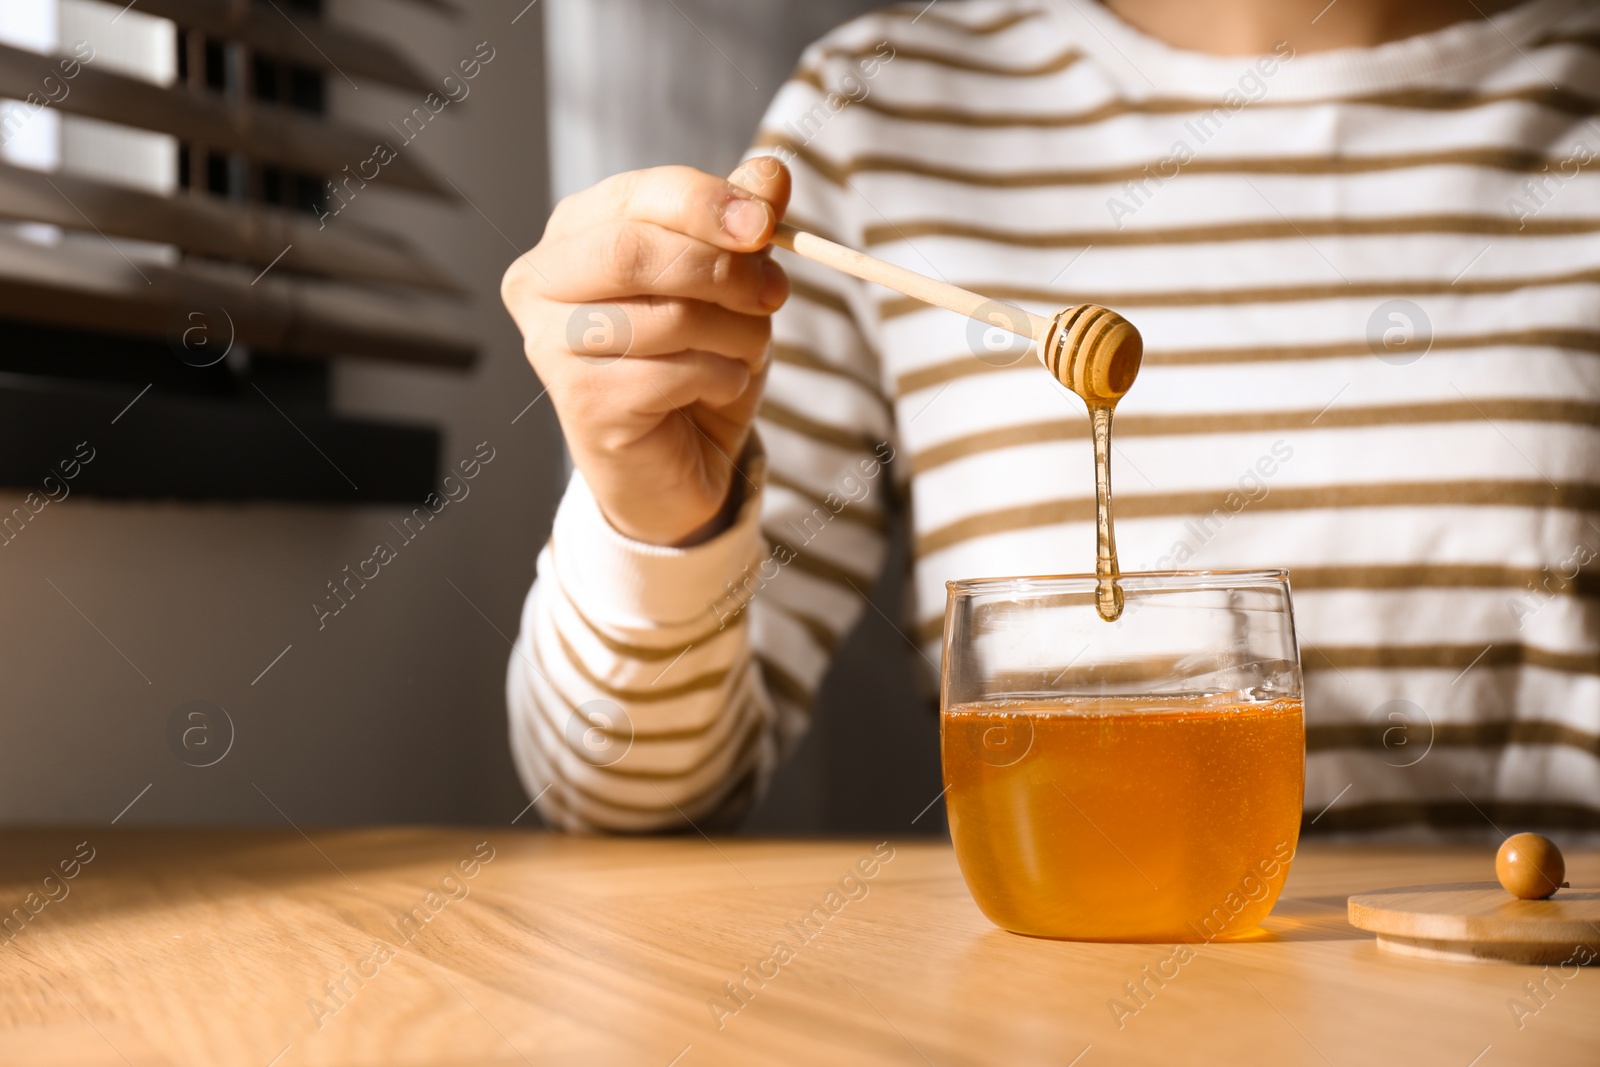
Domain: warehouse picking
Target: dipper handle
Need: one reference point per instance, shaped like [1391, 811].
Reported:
[1090, 349]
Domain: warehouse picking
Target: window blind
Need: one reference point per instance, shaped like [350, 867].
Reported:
[257, 150]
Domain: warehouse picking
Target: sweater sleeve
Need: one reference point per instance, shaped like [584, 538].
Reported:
[654, 688]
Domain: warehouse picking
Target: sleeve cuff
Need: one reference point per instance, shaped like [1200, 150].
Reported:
[629, 583]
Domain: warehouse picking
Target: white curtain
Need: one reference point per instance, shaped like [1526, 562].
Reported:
[639, 83]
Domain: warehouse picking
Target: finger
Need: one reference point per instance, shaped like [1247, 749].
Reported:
[657, 386]
[682, 199]
[649, 327]
[625, 258]
[693, 377]
[765, 177]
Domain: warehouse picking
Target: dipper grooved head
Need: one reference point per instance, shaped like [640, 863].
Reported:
[1094, 351]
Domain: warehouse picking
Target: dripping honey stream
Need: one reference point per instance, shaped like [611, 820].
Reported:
[1091, 350]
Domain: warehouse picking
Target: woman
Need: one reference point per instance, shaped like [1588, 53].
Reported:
[1360, 244]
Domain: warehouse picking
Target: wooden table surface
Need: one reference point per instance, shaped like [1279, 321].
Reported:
[258, 948]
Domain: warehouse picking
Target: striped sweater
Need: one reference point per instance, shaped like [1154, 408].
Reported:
[1369, 286]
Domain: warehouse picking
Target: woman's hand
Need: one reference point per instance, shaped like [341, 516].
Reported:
[645, 309]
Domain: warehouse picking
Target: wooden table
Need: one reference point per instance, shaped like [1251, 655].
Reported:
[257, 948]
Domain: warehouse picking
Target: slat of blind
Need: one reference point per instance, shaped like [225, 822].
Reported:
[95, 289]
[225, 229]
[445, 7]
[295, 36]
[273, 134]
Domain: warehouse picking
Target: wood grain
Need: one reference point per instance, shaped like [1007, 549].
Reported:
[210, 947]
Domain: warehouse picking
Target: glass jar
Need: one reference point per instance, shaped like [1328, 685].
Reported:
[1138, 780]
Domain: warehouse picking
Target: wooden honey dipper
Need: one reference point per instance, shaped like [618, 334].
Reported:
[1089, 349]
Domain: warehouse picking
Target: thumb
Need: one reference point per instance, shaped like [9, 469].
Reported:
[766, 177]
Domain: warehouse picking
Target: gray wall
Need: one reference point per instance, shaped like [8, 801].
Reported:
[395, 711]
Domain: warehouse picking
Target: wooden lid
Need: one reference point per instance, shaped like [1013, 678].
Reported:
[1481, 921]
